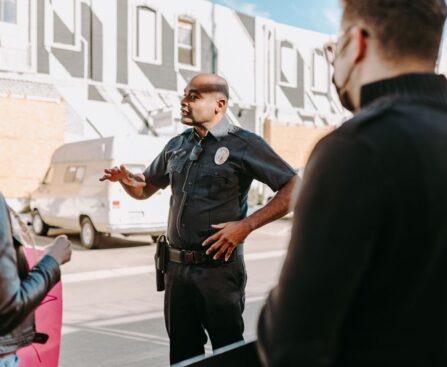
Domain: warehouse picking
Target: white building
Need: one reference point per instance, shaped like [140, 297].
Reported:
[78, 69]
[99, 53]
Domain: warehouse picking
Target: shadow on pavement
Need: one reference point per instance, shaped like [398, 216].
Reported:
[107, 242]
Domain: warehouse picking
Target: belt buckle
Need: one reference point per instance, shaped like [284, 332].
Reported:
[189, 257]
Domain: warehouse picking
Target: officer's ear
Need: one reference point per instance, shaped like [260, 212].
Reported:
[221, 104]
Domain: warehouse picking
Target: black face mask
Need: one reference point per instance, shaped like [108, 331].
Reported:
[343, 95]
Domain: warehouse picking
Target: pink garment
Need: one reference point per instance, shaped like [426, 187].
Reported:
[48, 321]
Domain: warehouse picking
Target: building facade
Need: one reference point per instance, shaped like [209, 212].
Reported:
[119, 67]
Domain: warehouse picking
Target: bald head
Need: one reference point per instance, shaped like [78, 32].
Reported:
[205, 100]
[210, 83]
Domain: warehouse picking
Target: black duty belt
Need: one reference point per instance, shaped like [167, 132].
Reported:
[192, 257]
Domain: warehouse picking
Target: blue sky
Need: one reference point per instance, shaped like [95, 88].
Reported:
[318, 15]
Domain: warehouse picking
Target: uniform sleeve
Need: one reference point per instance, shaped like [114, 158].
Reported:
[337, 219]
[157, 173]
[264, 164]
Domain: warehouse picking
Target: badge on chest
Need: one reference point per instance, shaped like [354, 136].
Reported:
[221, 156]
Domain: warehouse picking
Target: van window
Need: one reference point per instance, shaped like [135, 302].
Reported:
[74, 174]
[70, 174]
[80, 171]
[48, 176]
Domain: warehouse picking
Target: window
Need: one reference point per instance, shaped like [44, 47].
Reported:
[64, 21]
[70, 174]
[63, 24]
[320, 72]
[188, 52]
[8, 11]
[288, 64]
[74, 174]
[48, 176]
[146, 34]
[79, 177]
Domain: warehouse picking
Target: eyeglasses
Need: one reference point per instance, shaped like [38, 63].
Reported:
[332, 49]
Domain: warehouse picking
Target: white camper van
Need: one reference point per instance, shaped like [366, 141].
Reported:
[71, 195]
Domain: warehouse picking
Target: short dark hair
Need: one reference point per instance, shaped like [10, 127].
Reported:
[403, 28]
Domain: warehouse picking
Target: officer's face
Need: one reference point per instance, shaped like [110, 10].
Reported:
[200, 103]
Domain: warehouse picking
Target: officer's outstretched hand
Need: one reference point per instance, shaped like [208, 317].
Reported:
[121, 174]
[231, 234]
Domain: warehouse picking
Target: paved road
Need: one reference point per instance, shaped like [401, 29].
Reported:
[112, 313]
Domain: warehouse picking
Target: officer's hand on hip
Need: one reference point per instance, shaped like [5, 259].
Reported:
[226, 240]
[116, 174]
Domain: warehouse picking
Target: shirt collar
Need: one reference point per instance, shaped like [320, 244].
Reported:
[220, 130]
[410, 85]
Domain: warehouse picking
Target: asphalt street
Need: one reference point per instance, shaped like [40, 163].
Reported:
[113, 315]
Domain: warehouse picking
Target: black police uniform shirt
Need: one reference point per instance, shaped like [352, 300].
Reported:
[211, 185]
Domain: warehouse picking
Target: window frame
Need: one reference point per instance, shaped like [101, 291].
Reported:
[293, 83]
[196, 43]
[49, 28]
[75, 178]
[16, 13]
[158, 36]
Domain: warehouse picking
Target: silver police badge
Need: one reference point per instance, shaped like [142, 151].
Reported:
[221, 156]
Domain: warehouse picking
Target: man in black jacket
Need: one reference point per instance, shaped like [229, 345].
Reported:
[364, 282]
[21, 290]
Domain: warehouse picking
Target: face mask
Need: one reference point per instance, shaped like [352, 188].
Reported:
[343, 94]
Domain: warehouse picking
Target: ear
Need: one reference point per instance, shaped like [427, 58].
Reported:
[221, 104]
[360, 40]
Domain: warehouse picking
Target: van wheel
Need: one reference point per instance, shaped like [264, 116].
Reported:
[39, 226]
[90, 237]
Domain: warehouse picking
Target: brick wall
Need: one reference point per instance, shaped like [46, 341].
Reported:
[292, 142]
[30, 131]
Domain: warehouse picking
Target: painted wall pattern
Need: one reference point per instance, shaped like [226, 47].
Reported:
[122, 65]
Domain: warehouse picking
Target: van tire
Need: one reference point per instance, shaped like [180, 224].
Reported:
[89, 236]
[39, 226]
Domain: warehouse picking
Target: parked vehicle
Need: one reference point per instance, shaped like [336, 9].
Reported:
[72, 197]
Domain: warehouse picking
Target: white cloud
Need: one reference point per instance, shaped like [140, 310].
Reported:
[246, 8]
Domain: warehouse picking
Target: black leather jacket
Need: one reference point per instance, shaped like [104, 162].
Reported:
[21, 289]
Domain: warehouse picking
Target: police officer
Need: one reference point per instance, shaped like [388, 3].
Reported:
[365, 278]
[209, 167]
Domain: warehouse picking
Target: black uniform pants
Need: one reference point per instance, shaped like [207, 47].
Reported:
[203, 297]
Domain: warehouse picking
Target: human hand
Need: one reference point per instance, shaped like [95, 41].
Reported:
[123, 175]
[60, 249]
[231, 234]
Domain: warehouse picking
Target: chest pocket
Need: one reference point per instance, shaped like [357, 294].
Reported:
[216, 182]
[176, 167]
